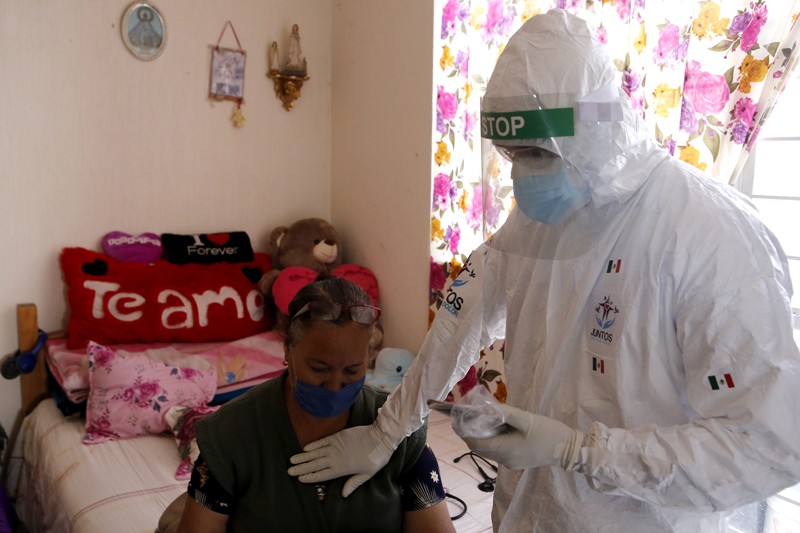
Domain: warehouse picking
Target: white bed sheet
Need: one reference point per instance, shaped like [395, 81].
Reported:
[115, 486]
[58, 488]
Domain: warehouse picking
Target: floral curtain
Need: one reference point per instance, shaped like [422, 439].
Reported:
[705, 75]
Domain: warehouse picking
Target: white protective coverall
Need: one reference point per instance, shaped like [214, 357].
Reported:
[690, 395]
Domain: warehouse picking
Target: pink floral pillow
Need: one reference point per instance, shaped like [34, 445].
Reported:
[129, 395]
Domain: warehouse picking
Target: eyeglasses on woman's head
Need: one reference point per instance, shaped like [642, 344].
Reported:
[328, 310]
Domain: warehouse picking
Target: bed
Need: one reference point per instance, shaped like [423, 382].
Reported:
[68, 475]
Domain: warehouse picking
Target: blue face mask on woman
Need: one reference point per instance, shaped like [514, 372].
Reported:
[549, 198]
[324, 403]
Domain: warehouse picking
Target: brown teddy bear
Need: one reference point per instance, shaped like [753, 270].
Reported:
[310, 242]
[301, 252]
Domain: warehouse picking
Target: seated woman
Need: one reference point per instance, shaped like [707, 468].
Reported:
[240, 483]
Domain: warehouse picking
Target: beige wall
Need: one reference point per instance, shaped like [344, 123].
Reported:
[382, 115]
[93, 140]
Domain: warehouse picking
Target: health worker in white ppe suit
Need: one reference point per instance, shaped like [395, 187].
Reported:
[653, 381]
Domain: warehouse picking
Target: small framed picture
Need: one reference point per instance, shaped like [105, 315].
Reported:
[227, 74]
[144, 31]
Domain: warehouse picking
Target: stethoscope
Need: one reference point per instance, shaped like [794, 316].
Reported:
[487, 485]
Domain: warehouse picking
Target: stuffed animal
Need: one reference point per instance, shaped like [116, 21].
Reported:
[310, 242]
[300, 253]
[391, 365]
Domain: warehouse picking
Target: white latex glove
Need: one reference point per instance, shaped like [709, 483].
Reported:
[360, 450]
[531, 441]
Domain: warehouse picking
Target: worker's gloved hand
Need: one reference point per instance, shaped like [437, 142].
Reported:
[531, 440]
[360, 450]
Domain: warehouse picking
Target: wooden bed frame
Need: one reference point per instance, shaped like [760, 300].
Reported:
[83, 510]
[33, 386]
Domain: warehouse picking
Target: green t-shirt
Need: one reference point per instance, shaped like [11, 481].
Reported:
[247, 445]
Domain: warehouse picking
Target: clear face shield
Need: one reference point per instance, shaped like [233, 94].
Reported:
[520, 147]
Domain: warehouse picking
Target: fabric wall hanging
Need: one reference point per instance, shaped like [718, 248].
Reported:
[227, 75]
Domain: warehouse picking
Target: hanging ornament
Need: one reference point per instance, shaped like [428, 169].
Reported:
[227, 75]
[238, 117]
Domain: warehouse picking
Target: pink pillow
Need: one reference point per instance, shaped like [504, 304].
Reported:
[144, 248]
[239, 364]
[129, 395]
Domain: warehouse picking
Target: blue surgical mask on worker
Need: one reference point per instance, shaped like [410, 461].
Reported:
[324, 403]
[547, 197]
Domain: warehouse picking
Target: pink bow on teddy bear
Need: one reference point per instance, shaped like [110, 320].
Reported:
[300, 253]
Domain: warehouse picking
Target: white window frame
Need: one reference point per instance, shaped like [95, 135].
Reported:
[747, 180]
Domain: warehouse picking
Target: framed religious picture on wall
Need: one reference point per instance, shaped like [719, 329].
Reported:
[227, 74]
[144, 30]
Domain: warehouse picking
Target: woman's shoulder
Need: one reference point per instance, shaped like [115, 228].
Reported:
[376, 397]
[236, 416]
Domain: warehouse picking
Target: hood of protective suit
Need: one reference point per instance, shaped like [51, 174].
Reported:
[554, 61]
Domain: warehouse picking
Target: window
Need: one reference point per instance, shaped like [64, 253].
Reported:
[770, 178]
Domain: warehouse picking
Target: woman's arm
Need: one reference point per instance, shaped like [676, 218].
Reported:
[198, 519]
[433, 519]
[423, 496]
[212, 515]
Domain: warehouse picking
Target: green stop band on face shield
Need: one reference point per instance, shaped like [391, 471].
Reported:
[534, 124]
